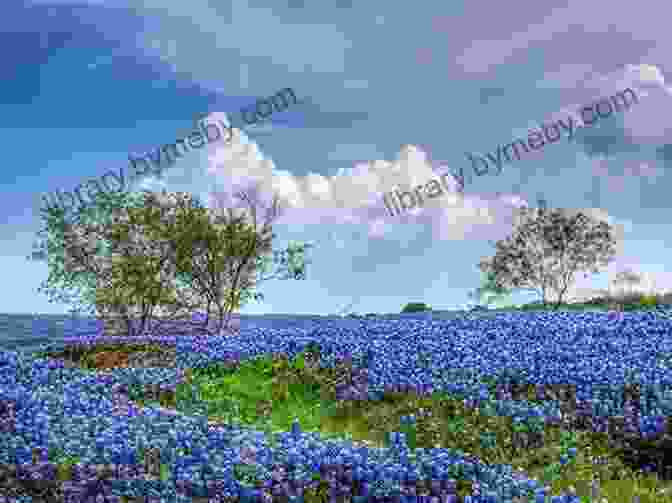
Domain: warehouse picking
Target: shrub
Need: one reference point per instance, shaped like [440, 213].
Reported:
[415, 307]
[648, 301]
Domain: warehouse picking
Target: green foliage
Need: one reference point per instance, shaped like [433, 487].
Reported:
[267, 392]
[214, 371]
[63, 286]
[135, 280]
[201, 250]
[222, 245]
[415, 307]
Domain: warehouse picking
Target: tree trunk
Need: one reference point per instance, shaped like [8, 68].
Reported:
[114, 325]
[116, 322]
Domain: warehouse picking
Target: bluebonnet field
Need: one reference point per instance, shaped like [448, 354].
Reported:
[68, 411]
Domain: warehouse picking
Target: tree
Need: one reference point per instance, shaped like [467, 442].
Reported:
[141, 278]
[546, 250]
[152, 247]
[133, 290]
[74, 287]
[489, 292]
[195, 257]
[253, 253]
[122, 282]
[216, 257]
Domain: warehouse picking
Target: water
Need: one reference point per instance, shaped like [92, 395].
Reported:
[26, 332]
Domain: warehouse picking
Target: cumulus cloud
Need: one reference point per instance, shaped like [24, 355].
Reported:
[352, 198]
[354, 195]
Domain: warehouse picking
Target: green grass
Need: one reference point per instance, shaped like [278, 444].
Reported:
[269, 393]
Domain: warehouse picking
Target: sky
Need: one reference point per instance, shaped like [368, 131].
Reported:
[390, 95]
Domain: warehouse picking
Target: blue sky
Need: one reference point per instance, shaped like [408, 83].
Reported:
[391, 93]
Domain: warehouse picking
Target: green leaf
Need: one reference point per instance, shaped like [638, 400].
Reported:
[300, 362]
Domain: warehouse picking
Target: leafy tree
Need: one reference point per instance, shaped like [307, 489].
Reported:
[182, 243]
[546, 250]
[92, 250]
[216, 257]
[142, 277]
[77, 288]
[247, 248]
[133, 290]
[415, 307]
[221, 256]
[154, 245]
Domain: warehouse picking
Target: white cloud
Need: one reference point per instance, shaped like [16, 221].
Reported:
[354, 194]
